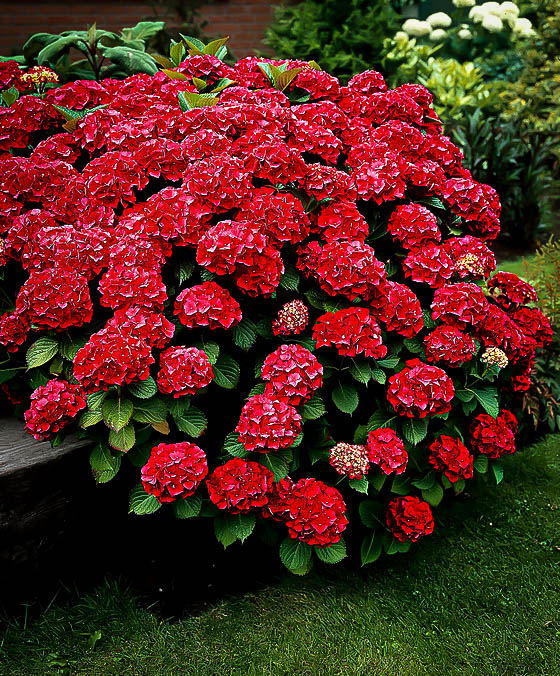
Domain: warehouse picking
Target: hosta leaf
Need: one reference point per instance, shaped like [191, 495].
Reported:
[42, 351]
[104, 464]
[141, 502]
[193, 422]
[345, 398]
[226, 372]
[124, 439]
[143, 389]
[117, 413]
[188, 507]
[295, 555]
[332, 554]
[415, 430]
[150, 411]
[244, 334]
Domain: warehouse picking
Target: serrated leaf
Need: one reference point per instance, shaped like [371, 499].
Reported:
[284, 79]
[372, 546]
[400, 485]
[426, 482]
[259, 388]
[223, 531]
[211, 349]
[433, 495]
[332, 554]
[226, 372]
[313, 409]
[290, 279]
[369, 513]
[150, 411]
[413, 345]
[142, 503]
[415, 430]
[162, 427]
[42, 351]
[464, 395]
[382, 418]
[143, 389]
[90, 418]
[68, 349]
[377, 481]
[8, 374]
[56, 366]
[95, 400]
[193, 422]
[294, 554]
[214, 47]
[488, 399]
[277, 463]
[173, 74]
[124, 439]
[498, 471]
[345, 398]
[360, 485]
[187, 508]
[190, 100]
[481, 464]
[104, 464]
[360, 371]
[244, 334]
[379, 376]
[428, 321]
[117, 413]
[221, 84]
[388, 362]
[234, 447]
[394, 546]
[184, 271]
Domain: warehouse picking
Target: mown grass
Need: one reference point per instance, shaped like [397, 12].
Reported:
[480, 596]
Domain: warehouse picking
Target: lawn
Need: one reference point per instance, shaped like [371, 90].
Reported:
[480, 596]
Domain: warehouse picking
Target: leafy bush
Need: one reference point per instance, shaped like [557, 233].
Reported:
[345, 37]
[293, 274]
[106, 53]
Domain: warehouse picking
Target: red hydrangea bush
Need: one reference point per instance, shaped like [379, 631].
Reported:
[273, 295]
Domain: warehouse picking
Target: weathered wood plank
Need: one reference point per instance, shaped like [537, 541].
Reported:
[19, 451]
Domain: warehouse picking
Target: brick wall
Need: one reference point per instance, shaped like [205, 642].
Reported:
[243, 20]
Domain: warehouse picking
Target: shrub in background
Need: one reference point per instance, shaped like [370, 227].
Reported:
[270, 293]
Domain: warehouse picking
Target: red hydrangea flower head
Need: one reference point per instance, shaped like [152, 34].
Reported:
[292, 373]
[52, 407]
[414, 226]
[122, 286]
[509, 290]
[240, 486]
[420, 390]
[449, 345]
[461, 305]
[452, 457]
[367, 83]
[207, 304]
[429, 265]
[400, 310]
[229, 243]
[349, 460]
[352, 331]
[534, 324]
[292, 319]
[14, 327]
[183, 370]
[472, 258]
[473, 202]
[315, 513]
[323, 182]
[277, 506]
[55, 298]
[150, 326]
[268, 423]
[494, 438]
[220, 181]
[174, 471]
[341, 219]
[386, 450]
[112, 357]
[409, 518]
[259, 274]
[380, 180]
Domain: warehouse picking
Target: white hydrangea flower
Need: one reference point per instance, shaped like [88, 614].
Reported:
[465, 34]
[523, 28]
[464, 3]
[416, 28]
[491, 8]
[492, 23]
[509, 11]
[477, 14]
[438, 34]
[401, 36]
[439, 20]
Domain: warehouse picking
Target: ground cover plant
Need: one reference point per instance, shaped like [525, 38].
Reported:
[481, 597]
[270, 293]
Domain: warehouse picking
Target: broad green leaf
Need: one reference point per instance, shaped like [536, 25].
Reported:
[173, 74]
[498, 471]
[426, 482]
[42, 351]
[190, 100]
[193, 422]
[277, 462]
[143, 30]
[124, 439]
[95, 400]
[488, 399]
[360, 485]
[394, 546]
[184, 271]
[141, 502]
[104, 464]
[51, 52]
[143, 389]
[226, 372]
[150, 411]
[415, 430]
[382, 418]
[224, 531]
[369, 513]
[332, 554]
[345, 398]
[388, 362]
[360, 371]
[68, 349]
[221, 84]
[372, 545]
[294, 554]
[234, 447]
[433, 495]
[90, 418]
[401, 485]
[214, 47]
[8, 374]
[244, 334]
[481, 464]
[413, 345]
[379, 376]
[186, 508]
[290, 279]
[378, 481]
[313, 409]
[464, 395]
[210, 349]
[130, 60]
[117, 413]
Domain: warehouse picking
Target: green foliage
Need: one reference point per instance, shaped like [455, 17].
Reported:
[343, 37]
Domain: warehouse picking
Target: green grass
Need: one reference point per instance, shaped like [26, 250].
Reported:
[515, 265]
[481, 596]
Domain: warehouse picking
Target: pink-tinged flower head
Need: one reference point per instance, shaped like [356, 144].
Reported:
[183, 370]
[494, 438]
[420, 390]
[267, 423]
[449, 345]
[414, 226]
[292, 373]
[240, 486]
[386, 450]
[207, 304]
[174, 471]
[352, 332]
[509, 290]
[460, 305]
[52, 407]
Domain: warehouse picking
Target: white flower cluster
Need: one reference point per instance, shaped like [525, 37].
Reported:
[492, 16]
